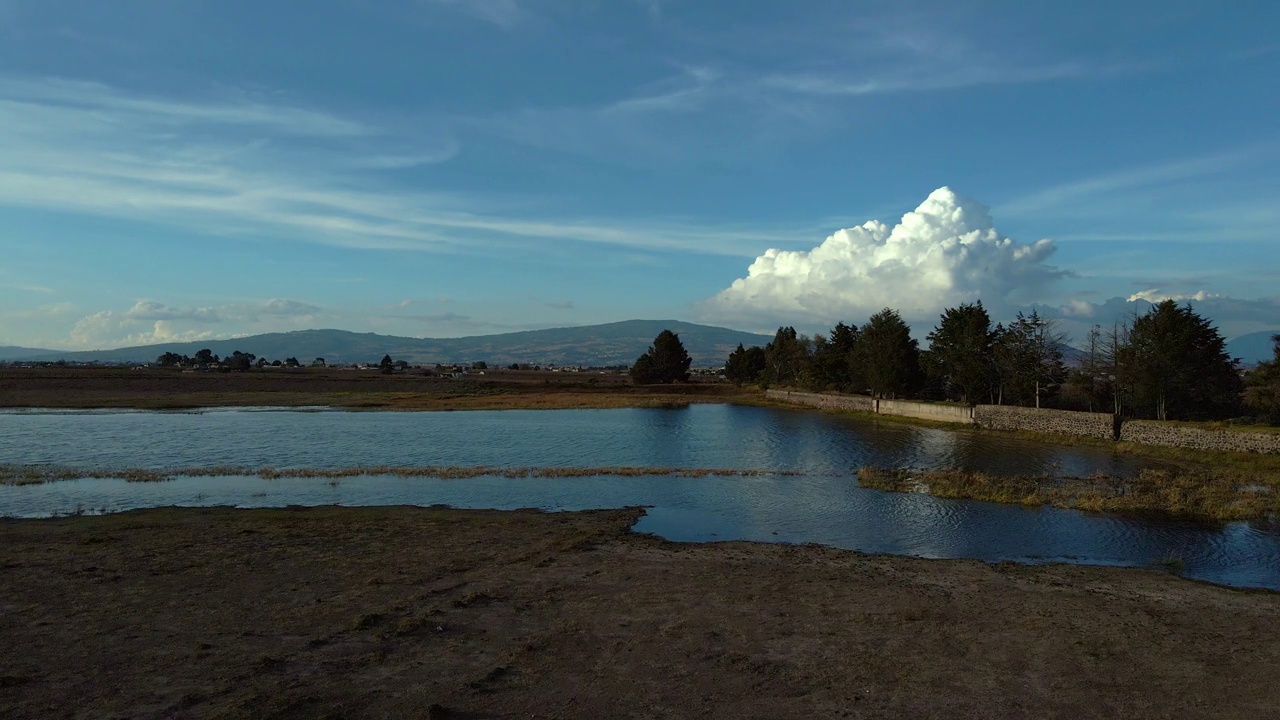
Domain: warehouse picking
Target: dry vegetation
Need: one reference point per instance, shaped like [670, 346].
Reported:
[1196, 493]
[438, 613]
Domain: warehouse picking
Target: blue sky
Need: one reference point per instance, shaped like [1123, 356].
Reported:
[186, 170]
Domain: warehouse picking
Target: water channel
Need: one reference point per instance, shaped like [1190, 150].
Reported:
[822, 504]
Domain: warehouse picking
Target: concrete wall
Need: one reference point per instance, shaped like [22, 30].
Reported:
[1063, 422]
[1150, 432]
[926, 411]
[862, 403]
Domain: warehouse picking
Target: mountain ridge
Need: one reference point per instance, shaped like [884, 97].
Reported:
[1253, 347]
[617, 343]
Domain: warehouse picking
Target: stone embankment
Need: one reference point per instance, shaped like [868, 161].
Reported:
[1151, 432]
[1103, 426]
[859, 403]
[1060, 422]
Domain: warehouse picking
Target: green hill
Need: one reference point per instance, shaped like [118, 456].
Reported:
[11, 352]
[610, 344]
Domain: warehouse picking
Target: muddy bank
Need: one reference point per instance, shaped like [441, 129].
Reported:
[389, 612]
[171, 389]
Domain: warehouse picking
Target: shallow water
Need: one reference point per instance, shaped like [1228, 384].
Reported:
[696, 436]
[824, 505]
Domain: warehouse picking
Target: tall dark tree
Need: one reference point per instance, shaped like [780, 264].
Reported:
[786, 357]
[1262, 391]
[205, 356]
[1114, 344]
[888, 356]
[745, 365]
[387, 365]
[833, 359]
[1094, 375]
[665, 362]
[1179, 367]
[1092, 385]
[960, 355]
[1028, 356]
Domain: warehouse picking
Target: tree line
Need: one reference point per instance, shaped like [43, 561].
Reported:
[1169, 363]
[237, 361]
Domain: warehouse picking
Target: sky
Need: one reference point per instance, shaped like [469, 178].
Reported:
[205, 169]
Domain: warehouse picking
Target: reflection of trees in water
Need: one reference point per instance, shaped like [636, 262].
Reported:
[1000, 456]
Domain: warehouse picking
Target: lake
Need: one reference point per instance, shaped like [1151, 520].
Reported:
[821, 504]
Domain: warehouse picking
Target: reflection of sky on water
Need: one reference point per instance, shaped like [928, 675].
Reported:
[697, 436]
[824, 506]
[826, 509]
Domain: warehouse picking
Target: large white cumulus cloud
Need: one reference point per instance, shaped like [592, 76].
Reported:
[945, 252]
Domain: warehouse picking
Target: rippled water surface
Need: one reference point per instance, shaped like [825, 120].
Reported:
[822, 505]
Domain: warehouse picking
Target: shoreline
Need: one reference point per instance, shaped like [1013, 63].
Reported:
[401, 402]
[162, 389]
[369, 612]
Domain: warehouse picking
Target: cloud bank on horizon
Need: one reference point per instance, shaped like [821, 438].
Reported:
[945, 252]
[150, 323]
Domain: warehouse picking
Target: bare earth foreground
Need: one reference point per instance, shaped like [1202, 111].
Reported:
[411, 612]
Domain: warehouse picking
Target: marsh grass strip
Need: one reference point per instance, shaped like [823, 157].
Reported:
[1190, 493]
[37, 474]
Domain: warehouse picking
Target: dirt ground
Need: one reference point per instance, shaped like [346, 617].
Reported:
[440, 613]
[170, 388]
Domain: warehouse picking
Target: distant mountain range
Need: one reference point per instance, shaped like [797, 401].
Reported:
[12, 352]
[617, 343]
[1252, 348]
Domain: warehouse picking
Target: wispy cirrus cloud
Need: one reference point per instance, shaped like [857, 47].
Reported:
[26, 287]
[1172, 172]
[760, 99]
[53, 93]
[253, 168]
[845, 56]
[684, 92]
[1191, 199]
[918, 80]
[505, 14]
